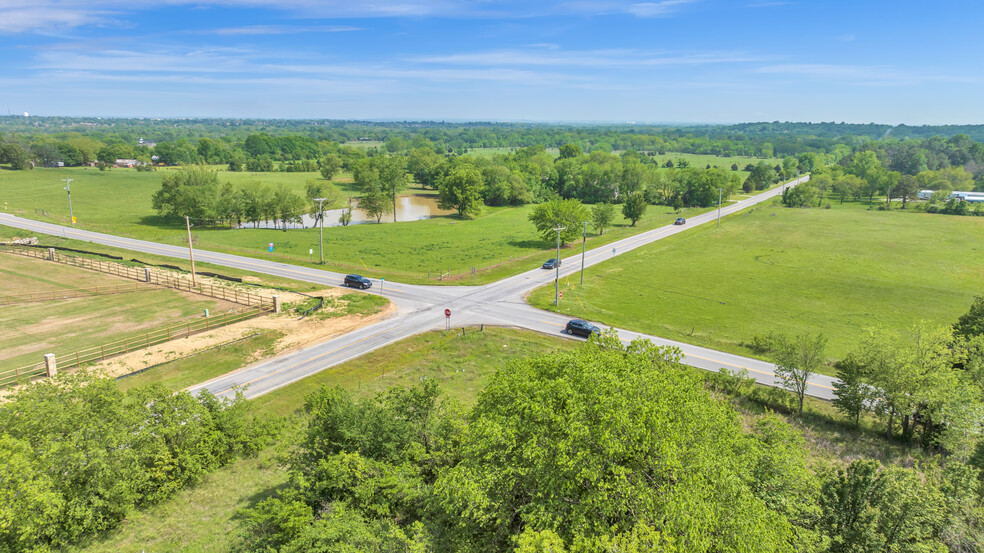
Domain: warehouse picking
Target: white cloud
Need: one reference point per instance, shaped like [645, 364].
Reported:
[662, 8]
[588, 58]
[280, 30]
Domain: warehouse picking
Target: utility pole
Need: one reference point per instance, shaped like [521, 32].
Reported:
[321, 232]
[557, 277]
[68, 187]
[720, 190]
[584, 240]
[191, 252]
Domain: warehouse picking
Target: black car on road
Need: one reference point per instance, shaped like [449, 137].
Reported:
[680, 221]
[357, 281]
[583, 328]
[551, 264]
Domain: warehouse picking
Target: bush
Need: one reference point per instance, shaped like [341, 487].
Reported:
[96, 452]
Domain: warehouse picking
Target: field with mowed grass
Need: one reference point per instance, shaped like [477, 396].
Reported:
[835, 271]
[32, 329]
[499, 242]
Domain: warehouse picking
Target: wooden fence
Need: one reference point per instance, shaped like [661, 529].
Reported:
[74, 358]
[69, 293]
[138, 273]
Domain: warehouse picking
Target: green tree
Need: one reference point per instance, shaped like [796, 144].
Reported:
[392, 176]
[190, 192]
[971, 323]
[321, 189]
[867, 509]
[798, 360]
[602, 216]
[760, 178]
[570, 151]
[461, 190]
[569, 214]
[852, 395]
[907, 188]
[289, 205]
[847, 185]
[329, 165]
[15, 155]
[634, 207]
[577, 444]
[801, 195]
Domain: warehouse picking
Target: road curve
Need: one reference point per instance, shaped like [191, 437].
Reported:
[421, 308]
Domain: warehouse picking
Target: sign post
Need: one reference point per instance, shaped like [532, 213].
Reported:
[381, 281]
[447, 319]
[270, 247]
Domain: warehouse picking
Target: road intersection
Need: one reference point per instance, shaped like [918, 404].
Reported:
[421, 308]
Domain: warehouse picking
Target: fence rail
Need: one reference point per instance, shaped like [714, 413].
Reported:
[69, 293]
[10, 377]
[155, 277]
[74, 358]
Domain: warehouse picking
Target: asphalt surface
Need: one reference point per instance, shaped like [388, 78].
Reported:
[421, 308]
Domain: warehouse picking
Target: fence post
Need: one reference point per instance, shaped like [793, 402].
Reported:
[126, 348]
[276, 304]
[146, 274]
[51, 254]
[50, 367]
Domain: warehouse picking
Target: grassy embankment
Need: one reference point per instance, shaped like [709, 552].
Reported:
[118, 202]
[62, 326]
[836, 271]
[204, 517]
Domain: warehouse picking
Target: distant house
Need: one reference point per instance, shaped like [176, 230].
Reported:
[127, 163]
[146, 143]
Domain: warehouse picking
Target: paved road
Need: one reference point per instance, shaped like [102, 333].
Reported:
[421, 308]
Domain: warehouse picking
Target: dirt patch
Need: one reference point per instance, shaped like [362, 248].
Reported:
[297, 334]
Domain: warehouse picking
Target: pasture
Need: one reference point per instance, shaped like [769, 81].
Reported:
[500, 240]
[838, 271]
[35, 328]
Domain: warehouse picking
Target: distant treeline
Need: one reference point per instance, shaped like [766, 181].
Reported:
[76, 141]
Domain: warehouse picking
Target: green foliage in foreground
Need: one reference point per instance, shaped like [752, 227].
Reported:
[77, 454]
[599, 449]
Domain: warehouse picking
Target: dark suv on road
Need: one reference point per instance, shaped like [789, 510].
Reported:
[583, 328]
[357, 281]
[551, 264]
[680, 221]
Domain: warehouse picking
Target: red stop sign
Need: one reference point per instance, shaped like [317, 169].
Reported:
[447, 312]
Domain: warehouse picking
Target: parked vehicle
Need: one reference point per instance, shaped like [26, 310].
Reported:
[357, 281]
[680, 221]
[582, 328]
[551, 264]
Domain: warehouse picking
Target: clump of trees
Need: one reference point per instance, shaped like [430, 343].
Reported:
[195, 192]
[603, 448]
[77, 454]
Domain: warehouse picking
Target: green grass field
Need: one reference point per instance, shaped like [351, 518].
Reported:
[836, 271]
[118, 202]
[34, 329]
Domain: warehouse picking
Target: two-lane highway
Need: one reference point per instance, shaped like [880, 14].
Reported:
[421, 308]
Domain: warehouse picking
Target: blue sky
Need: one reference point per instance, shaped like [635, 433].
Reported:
[579, 60]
